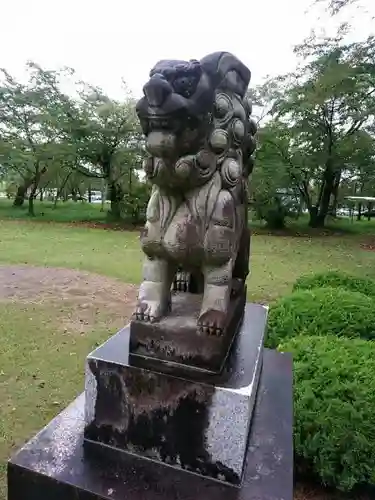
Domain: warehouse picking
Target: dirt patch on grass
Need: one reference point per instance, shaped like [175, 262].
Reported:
[83, 299]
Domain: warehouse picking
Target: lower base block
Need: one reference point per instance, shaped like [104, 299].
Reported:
[201, 426]
[55, 466]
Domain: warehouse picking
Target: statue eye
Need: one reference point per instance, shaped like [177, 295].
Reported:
[185, 86]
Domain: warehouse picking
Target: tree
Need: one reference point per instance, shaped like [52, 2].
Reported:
[318, 112]
[334, 7]
[274, 195]
[30, 141]
[104, 134]
[69, 136]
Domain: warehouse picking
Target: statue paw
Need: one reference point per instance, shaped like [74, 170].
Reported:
[150, 311]
[212, 322]
[181, 282]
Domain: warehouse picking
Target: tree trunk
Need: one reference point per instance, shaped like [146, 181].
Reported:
[130, 179]
[326, 198]
[41, 196]
[34, 189]
[31, 210]
[21, 193]
[369, 210]
[104, 194]
[81, 196]
[320, 212]
[60, 189]
[89, 194]
[335, 192]
[359, 213]
[116, 196]
[313, 221]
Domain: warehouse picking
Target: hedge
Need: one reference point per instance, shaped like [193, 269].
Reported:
[322, 311]
[336, 279]
[334, 406]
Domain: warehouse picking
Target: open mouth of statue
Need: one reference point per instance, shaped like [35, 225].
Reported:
[161, 123]
[175, 123]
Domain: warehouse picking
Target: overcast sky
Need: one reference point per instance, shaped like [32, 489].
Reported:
[109, 39]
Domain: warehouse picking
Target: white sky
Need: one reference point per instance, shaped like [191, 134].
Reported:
[107, 40]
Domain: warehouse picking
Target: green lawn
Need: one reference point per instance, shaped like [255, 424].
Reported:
[41, 365]
[276, 261]
[68, 211]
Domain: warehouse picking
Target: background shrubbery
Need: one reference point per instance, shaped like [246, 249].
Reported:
[322, 311]
[334, 402]
[336, 279]
[328, 323]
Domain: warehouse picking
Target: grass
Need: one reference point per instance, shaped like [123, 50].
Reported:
[113, 253]
[41, 371]
[41, 366]
[276, 261]
[68, 211]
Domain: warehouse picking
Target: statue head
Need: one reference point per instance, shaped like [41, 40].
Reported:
[179, 99]
[195, 108]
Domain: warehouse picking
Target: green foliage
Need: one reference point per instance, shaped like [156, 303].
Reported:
[11, 190]
[66, 212]
[322, 119]
[336, 279]
[270, 180]
[134, 204]
[333, 311]
[317, 144]
[334, 7]
[52, 139]
[334, 401]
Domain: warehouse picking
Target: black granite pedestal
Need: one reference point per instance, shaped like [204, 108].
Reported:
[56, 465]
[200, 426]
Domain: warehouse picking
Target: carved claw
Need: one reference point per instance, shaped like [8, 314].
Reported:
[150, 312]
[181, 281]
[212, 322]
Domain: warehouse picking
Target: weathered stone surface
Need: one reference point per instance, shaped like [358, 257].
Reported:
[56, 466]
[175, 339]
[200, 138]
[198, 425]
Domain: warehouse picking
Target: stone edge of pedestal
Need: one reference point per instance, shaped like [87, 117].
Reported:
[269, 473]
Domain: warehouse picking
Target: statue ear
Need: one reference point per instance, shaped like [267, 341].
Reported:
[220, 64]
[233, 82]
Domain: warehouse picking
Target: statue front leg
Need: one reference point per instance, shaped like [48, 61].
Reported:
[217, 290]
[154, 298]
[221, 245]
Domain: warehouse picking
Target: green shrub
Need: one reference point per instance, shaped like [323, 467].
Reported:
[334, 408]
[336, 279]
[322, 311]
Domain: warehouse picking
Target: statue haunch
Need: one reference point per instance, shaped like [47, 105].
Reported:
[196, 119]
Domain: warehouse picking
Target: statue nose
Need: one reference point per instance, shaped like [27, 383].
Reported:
[156, 90]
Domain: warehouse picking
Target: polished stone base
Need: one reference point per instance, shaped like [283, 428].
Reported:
[55, 466]
[201, 426]
[176, 339]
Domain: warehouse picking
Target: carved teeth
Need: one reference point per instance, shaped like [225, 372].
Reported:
[159, 123]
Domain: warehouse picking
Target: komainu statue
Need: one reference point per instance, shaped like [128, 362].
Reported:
[196, 119]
